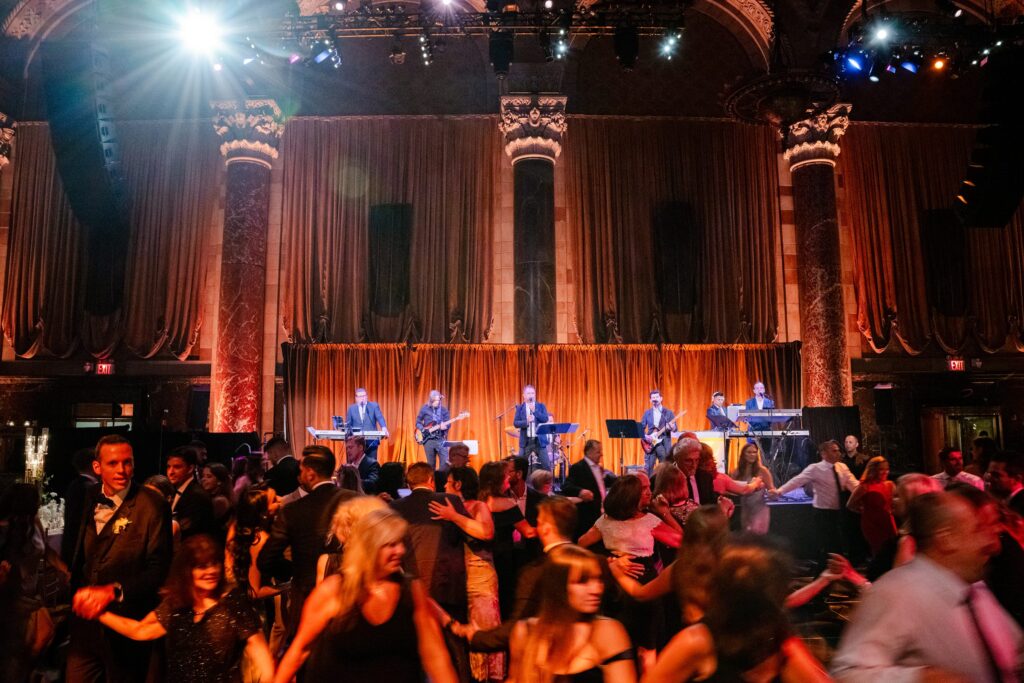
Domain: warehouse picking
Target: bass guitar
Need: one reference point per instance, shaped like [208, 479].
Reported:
[430, 430]
[658, 436]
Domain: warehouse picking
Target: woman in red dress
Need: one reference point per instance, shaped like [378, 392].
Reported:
[873, 500]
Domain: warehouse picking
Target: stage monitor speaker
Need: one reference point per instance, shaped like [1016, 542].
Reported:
[944, 243]
[76, 78]
[675, 239]
[993, 187]
[390, 256]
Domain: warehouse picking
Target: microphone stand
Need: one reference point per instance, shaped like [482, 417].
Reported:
[501, 431]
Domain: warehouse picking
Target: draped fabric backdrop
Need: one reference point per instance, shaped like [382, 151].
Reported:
[722, 178]
[892, 174]
[584, 384]
[171, 173]
[334, 171]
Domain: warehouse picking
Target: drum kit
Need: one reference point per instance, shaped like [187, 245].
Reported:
[558, 452]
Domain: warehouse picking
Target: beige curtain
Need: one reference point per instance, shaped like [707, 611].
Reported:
[334, 171]
[171, 174]
[892, 174]
[618, 171]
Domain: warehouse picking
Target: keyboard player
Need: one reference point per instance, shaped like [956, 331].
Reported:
[759, 401]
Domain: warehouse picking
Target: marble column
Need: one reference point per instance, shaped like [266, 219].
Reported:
[533, 126]
[250, 131]
[811, 147]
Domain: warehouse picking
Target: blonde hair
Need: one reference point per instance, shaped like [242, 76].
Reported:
[545, 648]
[350, 512]
[370, 533]
[872, 469]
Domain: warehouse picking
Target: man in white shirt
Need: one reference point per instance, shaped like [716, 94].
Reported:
[588, 481]
[953, 470]
[933, 619]
[828, 479]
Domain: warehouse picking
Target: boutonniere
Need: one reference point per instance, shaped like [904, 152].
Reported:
[120, 524]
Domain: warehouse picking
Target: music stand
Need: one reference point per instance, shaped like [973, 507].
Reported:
[552, 428]
[623, 429]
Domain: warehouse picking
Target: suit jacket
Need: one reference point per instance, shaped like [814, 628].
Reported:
[647, 421]
[301, 525]
[581, 478]
[706, 488]
[194, 511]
[74, 503]
[1016, 502]
[437, 546]
[758, 425]
[715, 410]
[369, 473]
[135, 553]
[373, 421]
[540, 415]
[284, 476]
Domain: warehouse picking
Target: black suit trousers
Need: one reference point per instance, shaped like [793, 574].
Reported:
[98, 655]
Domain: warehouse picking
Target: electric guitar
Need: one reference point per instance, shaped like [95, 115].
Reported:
[659, 435]
[428, 431]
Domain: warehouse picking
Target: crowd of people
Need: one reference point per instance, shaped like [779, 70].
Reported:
[308, 567]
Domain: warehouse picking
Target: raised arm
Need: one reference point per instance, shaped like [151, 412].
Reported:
[147, 629]
[316, 614]
[480, 526]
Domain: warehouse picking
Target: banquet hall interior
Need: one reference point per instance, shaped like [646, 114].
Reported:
[221, 223]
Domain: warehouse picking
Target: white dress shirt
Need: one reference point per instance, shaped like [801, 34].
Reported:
[759, 400]
[656, 416]
[179, 491]
[962, 477]
[103, 513]
[819, 475]
[691, 483]
[917, 616]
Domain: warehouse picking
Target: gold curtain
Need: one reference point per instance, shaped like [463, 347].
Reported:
[891, 175]
[171, 174]
[585, 384]
[618, 171]
[334, 171]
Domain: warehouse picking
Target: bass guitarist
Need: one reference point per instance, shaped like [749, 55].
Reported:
[657, 425]
[433, 413]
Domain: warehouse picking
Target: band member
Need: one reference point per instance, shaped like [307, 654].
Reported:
[759, 401]
[529, 416]
[717, 408]
[655, 418]
[433, 413]
[364, 415]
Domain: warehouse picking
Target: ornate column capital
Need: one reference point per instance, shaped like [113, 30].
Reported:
[250, 130]
[533, 126]
[816, 140]
[6, 138]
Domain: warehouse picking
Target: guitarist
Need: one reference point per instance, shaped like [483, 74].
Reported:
[433, 413]
[655, 418]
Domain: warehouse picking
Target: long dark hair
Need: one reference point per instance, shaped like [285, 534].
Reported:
[251, 517]
[195, 551]
[468, 478]
[748, 470]
[392, 478]
[492, 479]
[747, 616]
[623, 499]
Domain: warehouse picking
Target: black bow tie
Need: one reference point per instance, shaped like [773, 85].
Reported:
[104, 502]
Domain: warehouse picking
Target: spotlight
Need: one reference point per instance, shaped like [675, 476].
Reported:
[339, 6]
[670, 42]
[218, 66]
[939, 63]
[855, 62]
[446, 3]
[881, 34]
[627, 46]
[200, 32]
[873, 78]
[294, 58]
[910, 66]
[958, 12]
[548, 4]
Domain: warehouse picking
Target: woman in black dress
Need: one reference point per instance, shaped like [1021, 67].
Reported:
[507, 518]
[370, 622]
[208, 627]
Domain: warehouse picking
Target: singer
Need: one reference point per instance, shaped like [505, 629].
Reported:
[759, 401]
[529, 416]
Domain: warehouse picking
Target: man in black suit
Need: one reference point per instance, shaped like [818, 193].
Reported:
[458, 456]
[526, 497]
[283, 476]
[120, 559]
[365, 415]
[191, 507]
[556, 523]
[438, 550]
[302, 526]
[1005, 479]
[588, 481]
[529, 416]
[686, 454]
[369, 469]
[716, 409]
[74, 500]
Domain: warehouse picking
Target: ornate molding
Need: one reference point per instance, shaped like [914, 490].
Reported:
[7, 132]
[250, 130]
[815, 140]
[533, 126]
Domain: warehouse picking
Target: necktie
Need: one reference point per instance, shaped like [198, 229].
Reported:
[993, 664]
[839, 488]
[694, 493]
[362, 414]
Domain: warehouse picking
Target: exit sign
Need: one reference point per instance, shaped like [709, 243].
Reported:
[956, 364]
[106, 367]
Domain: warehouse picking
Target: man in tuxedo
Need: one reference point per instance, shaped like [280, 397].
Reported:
[654, 418]
[588, 481]
[686, 454]
[74, 500]
[302, 526]
[458, 456]
[717, 408]
[433, 413]
[556, 524]
[283, 476]
[528, 417]
[1005, 479]
[364, 415]
[526, 498]
[191, 507]
[120, 559]
[437, 548]
[369, 469]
